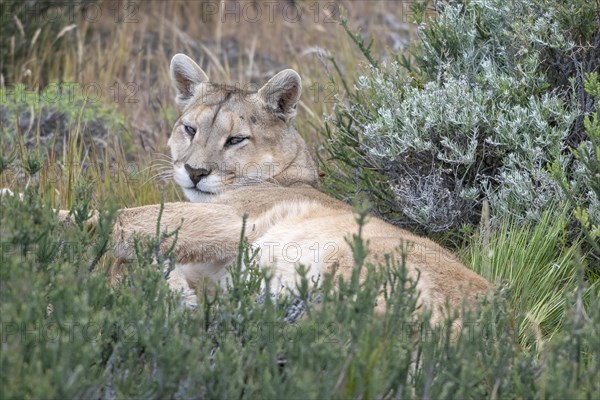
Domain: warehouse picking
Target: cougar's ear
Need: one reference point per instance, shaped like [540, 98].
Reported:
[186, 76]
[282, 93]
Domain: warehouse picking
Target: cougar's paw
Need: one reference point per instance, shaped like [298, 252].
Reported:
[177, 282]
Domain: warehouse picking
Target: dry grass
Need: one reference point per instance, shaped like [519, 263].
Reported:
[126, 52]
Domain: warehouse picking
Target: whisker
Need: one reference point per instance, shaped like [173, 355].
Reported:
[162, 162]
[154, 170]
[161, 168]
[161, 165]
[163, 156]
[158, 177]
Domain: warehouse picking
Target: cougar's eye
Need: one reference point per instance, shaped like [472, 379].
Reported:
[189, 130]
[235, 140]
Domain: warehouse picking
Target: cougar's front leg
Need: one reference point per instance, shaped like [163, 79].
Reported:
[207, 236]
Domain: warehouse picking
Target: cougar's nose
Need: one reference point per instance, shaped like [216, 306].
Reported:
[196, 173]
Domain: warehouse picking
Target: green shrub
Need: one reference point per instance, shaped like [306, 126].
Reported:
[57, 117]
[489, 101]
[582, 188]
[66, 333]
[57, 136]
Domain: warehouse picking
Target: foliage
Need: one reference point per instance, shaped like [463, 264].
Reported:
[52, 115]
[539, 268]
[582, 189]
[481, 110]
[59, 136]
[67, 333]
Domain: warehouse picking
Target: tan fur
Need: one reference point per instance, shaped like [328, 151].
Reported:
[271, 177]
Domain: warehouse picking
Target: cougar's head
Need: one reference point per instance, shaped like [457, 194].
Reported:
[228, 137]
